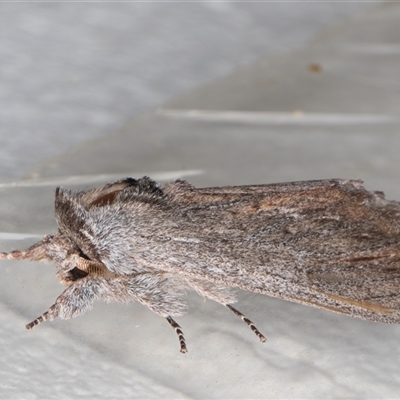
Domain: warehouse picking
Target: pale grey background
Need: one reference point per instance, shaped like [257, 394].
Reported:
[219, 93]
[75, 71]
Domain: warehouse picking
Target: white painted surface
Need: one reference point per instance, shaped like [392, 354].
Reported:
[78, 72]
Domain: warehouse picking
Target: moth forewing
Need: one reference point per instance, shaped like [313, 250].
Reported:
[328, 243]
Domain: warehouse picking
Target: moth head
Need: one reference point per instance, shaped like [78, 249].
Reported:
[72, 249]
[70, 262]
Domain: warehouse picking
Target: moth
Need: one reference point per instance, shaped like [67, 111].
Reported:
[330, 244]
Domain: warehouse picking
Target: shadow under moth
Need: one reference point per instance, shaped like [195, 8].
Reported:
[330, 244]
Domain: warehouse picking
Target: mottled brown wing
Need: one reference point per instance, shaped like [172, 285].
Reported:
[329, 244]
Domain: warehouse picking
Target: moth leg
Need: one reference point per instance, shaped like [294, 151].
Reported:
[75, 300]
[248, 322]
[222, 295]
[179, 332]
[49, 315]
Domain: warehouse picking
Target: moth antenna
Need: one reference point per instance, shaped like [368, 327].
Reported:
[179, 332]
[248, 322]
[49, 315]
[14, 255]
[35, 253]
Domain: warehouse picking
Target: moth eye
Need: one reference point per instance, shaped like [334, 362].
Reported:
[76, 273]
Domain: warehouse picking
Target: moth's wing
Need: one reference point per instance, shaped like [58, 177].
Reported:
[271, 199]
[328, 243]
[365, 287]
[107, 194]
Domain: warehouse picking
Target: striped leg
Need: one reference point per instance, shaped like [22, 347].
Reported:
[179, 332]
[49, 315]
[75, 300]
[248, 322]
